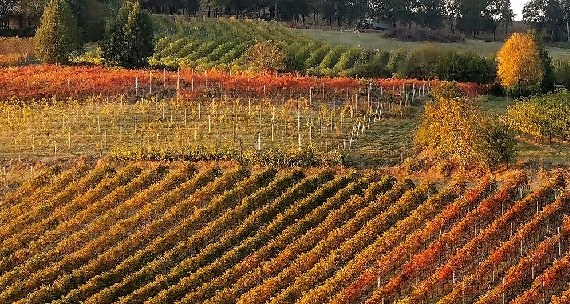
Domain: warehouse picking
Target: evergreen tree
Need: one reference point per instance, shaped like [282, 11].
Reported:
[129, 40]
[57, 36]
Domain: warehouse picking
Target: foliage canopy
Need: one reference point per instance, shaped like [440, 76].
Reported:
[129, 40]
[520, 69]
[58, 36]
[454, 134]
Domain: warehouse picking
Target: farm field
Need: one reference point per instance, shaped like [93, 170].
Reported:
[184, 159]
[220, 232]
[143, 231]
[170, 114]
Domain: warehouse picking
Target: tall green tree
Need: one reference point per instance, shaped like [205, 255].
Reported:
[565, 6]
[129, 37]
[473, 16]
[58, 36]
[545, 16]
[430, 13]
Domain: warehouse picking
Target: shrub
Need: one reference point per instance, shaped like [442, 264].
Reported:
[454, 133]
[430, 62]
[542, 117]
[421, 63]
[397, 59]
[57, 36]
[370, 64]
[562, 73]
[520, 69]
[129, 37]
[501, 144]
[446, 90]
[297, 54]
[465, 67]
[265, 56]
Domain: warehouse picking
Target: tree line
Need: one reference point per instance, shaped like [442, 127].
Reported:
[470, 17]
[466, 16]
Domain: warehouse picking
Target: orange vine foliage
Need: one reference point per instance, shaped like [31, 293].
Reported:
[45, 81]
[519, 62]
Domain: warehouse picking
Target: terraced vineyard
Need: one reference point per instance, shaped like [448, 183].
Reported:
[224, 233]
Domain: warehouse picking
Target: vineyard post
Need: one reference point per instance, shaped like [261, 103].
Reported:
[150, 83]
[137, 86]
[368, 97]
[333, 114]
[164, 78]
[356, 104]
[311, 96]
[298, 126]
[199, 112]
[209, 124]
[178, 85]
[272, 123]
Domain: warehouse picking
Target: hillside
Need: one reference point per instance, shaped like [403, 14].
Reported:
[223, 233]
[373, 41]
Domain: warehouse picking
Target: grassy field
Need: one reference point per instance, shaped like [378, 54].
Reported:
[375, 41]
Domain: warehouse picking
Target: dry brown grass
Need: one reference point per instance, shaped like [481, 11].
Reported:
[16, 51]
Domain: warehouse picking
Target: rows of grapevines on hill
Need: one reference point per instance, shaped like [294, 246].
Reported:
[221, 232]
[141, 238]
[241, 273]
[364, 280]
[177, 251]
[227, 220]
[192, 46]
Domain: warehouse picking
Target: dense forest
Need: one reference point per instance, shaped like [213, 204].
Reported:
[20, 17]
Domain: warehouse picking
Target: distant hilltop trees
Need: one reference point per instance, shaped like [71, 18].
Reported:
[470, 17]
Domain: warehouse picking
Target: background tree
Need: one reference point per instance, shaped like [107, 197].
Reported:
[57, 37]
[548, 78]
[473, 16]
[129, 37]
[506, 14]
[520, 69]
[545, 15]
[565, 6]
[430, 13]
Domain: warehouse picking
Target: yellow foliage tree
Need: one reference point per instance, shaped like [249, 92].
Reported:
[519, 65]
[455, 134]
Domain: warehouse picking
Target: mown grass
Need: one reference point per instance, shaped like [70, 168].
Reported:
[375, 41]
